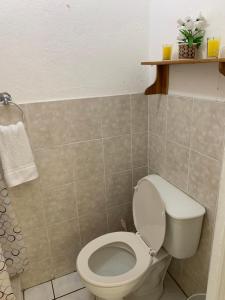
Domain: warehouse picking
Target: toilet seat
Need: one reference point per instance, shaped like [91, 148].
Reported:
[141, 251]
[149, 214]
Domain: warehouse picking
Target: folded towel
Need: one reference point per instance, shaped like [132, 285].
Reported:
[16, 155]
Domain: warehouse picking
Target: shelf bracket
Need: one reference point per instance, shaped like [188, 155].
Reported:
[222, 68]
[161, 84]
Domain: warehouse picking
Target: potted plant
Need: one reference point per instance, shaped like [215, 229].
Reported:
[191, 35]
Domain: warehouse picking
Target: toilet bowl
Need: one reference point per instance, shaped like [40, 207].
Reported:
[113, 264]
[133, 265]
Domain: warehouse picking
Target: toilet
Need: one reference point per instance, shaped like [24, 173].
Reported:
[133, 265]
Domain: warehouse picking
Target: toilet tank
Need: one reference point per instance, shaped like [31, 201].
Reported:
[184, 217]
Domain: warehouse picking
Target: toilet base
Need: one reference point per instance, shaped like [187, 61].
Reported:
[151, 288]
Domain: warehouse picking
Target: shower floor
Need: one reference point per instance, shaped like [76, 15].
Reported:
[70, 287]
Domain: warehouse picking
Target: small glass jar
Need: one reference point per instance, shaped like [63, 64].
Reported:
[167, 51]
[213, 47]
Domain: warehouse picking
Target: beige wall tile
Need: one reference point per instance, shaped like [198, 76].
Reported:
[83, 118]
[91, 195]
[64, 238]
[204, 177]
[10, 114]
[208, 128]
[157, 114]
[92, 225]
[37, 244]
[57, 161]
[59, 204]
[204, 135]
[140, 149]
[116, 213]
[60, 122]
[63, 265]
[38, 272]
[176, 268]
[157, 152]
[47, 124]
[176, 165]
[139, 104]
[75, 168]
[119, 188]
[179, 114]
[117, 154]
[115, 115]
[88, 159]
[139, 173]
[195, 269]
[28, 204]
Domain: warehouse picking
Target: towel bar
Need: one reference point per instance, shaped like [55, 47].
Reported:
[6, 99]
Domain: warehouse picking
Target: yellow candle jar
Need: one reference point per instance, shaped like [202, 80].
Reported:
[213, 47]
[167, 52]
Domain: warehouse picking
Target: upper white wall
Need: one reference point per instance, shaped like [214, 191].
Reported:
[72, 49]
[198, 80]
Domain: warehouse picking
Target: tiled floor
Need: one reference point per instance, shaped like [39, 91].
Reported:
[70, 287]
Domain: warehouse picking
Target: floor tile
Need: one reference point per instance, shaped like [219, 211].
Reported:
[79, 295]
[67, 288]
[172, 291]
[67, 284]
[40, 292]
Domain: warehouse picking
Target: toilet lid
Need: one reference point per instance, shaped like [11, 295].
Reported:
[149, 214]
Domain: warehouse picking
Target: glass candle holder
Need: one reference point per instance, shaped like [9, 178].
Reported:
[167, 52]
[213, 47]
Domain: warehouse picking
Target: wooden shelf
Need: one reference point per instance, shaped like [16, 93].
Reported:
[161, 84]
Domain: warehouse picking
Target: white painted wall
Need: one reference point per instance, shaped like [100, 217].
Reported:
[198, 80]
[216, 288]
[57, 49]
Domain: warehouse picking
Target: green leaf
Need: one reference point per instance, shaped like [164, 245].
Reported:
[190, 38]
[190, 41]
[185, 33]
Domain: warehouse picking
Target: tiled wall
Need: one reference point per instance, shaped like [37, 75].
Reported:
[89, 154]
[186, 138]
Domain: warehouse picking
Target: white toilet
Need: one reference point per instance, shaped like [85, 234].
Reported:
[124, 264]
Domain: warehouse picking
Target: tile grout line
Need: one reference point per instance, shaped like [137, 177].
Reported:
[78, 216]
[190, 143]
[187, 148]
[166, 131]
[113, 173]
[48, 237]
[104, 170]
[178, 285]
[60, 297]
[56, 146]
[131, 144]
[53, 290]
[193, 150]
[74, 185]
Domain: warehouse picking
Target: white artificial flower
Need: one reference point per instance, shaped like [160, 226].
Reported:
[180, 22]
[188, 19]
[189, 24]
[180, 26]
[200, 25]
[200, 18]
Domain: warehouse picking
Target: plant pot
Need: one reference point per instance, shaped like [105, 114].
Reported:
[187, 52]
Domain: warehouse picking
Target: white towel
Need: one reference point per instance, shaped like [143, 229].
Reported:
[16, 155]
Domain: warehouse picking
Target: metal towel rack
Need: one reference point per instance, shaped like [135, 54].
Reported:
[6, 99]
